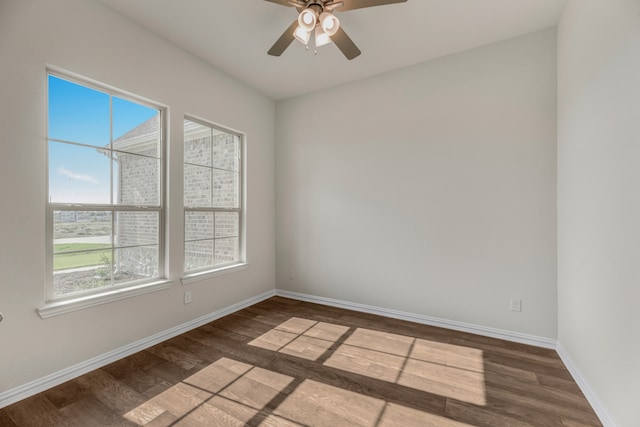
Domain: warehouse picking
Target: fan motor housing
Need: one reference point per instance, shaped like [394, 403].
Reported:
[316, 5]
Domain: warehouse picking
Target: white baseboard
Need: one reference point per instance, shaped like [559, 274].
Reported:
[426, 320]
[57, 378]
[605, 418]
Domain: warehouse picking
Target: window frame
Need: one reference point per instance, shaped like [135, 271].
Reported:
[58, 304]
[190, 276]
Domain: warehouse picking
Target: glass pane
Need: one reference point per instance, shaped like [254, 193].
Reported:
[197, 186]
[81, 230]
[227, 224]
[225, 189]
[135, 264]
[78, 113]
[82, 260]
[227, 250]
[198, 254]
[78, 174]
[79, 271]
[136, 180]
[136, 228]
[225, 151]
[136, 128]
[198, 225]
[197, 143]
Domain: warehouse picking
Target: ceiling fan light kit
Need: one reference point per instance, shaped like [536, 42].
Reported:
[317, 16]
[308, 19]
[321, 37]
[329, 23]
[302, 35]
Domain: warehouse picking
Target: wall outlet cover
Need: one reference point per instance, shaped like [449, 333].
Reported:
[515, 304]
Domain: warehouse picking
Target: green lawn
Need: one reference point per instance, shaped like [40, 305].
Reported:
[84, 255]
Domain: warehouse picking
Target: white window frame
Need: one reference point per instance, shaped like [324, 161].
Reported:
[218, 270]
[54, 305]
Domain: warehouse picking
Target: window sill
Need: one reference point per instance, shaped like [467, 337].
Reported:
[203, 275]
[55, 308]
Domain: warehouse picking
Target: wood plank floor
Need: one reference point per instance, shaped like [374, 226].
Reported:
[290, 363]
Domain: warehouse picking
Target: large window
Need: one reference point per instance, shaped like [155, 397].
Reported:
[212, 197]
[105, 195]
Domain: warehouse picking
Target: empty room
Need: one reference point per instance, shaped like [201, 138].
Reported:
[320, 213]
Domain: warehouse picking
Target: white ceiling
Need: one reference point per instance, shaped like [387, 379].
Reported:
[234, 36]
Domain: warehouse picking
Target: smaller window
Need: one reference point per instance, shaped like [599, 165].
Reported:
[213, 210]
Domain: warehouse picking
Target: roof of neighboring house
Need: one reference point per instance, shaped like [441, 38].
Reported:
[141, 138]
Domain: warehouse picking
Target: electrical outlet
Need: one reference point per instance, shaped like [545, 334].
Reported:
[515, 304]
[292, 274]
[187, 297]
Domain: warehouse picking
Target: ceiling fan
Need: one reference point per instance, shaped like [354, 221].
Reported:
[316, 16]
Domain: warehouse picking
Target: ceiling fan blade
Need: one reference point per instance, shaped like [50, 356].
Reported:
[298, 4]
[345, 44]
[359, 4]
[280, 2]
[284, 41]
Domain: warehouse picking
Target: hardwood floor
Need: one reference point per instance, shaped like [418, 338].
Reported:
[290, 363]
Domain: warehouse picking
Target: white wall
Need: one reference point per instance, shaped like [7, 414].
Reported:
[87, 38]
[599, 199]
[429, 190]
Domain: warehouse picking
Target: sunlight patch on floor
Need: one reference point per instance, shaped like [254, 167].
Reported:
[232, 393]
[439, 368]
[397, 415]
[435, 367]
[318, 404]
[226, 387]
[303, 338]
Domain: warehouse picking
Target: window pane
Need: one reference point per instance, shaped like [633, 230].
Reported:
[136, 180]
[197, 186]
[197, 143]
[82, 260]
[212, 166]
[137, 228]
[225, 189]
[109, 153]
[227, 250]
[227, 224]
[198, 225]
[198, 254]
[81, 230]
[225, 151]
[78, 174]
[78, 113]
[79, 271]
[135, 263]
[136, 128]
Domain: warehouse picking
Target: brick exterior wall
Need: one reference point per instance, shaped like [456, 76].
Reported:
[211, 180]
[138, 180]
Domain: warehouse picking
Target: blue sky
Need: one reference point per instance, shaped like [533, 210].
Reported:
[79, 174]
